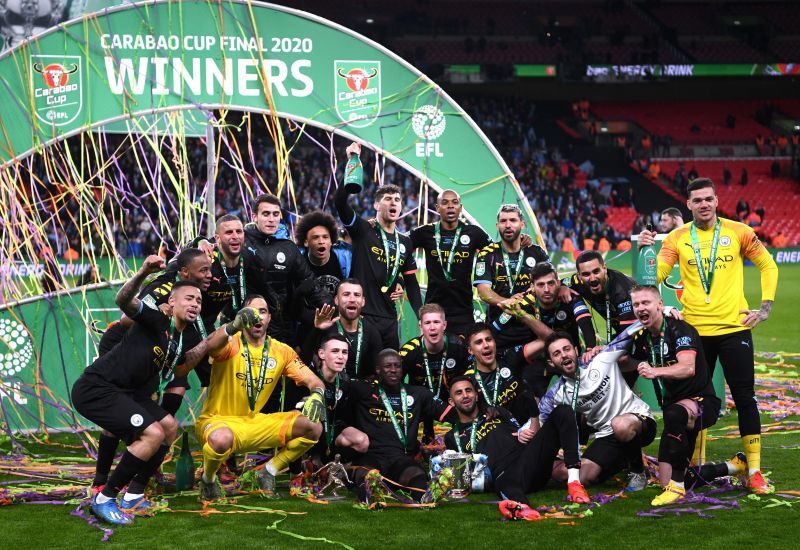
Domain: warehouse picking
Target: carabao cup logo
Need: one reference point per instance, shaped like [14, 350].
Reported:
[358, 91]
[56, 88]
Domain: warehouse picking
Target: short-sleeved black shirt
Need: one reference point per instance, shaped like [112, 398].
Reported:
[617, 296]
[678, 336]
[455, 362]
[454, 296]
[336, 410]
[157, 293]
[327, 277]
[512, 393]
[493, 438]
[371, 417]
[490, 269]
[369, 265]
[144, 351]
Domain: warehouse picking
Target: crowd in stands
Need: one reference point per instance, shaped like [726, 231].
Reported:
[567, 213]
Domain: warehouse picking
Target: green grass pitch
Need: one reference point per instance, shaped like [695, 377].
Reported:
[474, 524]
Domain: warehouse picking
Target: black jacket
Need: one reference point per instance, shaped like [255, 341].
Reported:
[287, 283]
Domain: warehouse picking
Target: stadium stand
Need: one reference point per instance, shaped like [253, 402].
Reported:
[779, 196]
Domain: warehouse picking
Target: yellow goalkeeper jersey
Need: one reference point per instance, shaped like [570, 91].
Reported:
[227, 391]
[737, 242]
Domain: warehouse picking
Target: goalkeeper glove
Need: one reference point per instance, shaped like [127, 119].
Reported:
[314, 406]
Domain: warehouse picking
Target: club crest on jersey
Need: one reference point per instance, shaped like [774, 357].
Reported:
[450, 363]
[464, 239]
[561, 315]
[272, 363]
[505, 372]
[530, 262]
[281, 257]
[725, 241]
[402, 248]
[480, 268]
[684, 341]
[137, 420]
[409, 400]
[594, 374]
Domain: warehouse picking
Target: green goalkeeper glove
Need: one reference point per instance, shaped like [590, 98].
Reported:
[314, 406]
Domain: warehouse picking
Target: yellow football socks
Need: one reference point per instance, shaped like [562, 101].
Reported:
[699, 454]
[752, 450]
[212, 460]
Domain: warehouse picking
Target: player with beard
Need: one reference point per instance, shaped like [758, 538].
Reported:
[190, 265]
[247, 368]
[714, 303]
[450, 246]
[346, 319]
[329, 258]
[593, 386]
[501, 381]
[606, 290]
[435, 356]
[518, 467]
[330, 364]
[502, 275]
[542, 311]
[287, 282]
[380, 255]
[671, 218]
[229, 271]
[117, 391]
[669, 352]
[389, 412]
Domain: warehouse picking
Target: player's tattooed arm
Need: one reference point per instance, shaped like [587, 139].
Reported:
[127, 299]
[192, 358]
[755, 316]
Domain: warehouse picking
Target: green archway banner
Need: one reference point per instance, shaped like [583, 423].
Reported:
[197, 54]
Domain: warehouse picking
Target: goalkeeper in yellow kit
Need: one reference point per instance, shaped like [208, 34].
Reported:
[714, 303]
[246, 367]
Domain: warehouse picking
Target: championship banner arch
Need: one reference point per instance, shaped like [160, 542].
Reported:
[139, 60]
[156, 56]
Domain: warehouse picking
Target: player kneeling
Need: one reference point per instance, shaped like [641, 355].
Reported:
[247, 366]
[597, 390]
[669, 352]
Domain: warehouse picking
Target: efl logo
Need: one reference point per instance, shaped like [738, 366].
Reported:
[56, 88]
[428, 123]
[358, 91]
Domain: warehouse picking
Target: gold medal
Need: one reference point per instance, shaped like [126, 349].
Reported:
[708, 299]
[384, 288]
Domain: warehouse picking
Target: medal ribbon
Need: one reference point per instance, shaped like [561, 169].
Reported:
[201, 328]
[166, 377]
[437, 235]
[391, 271]
[657, 359]
[575, 391]
[512, 281]
[705, 279]
[401, 434]
[253, 393]
[359, 341]
[474, 428]
[330, 418]
[238, 299]
[428, 368]
[479, 380]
